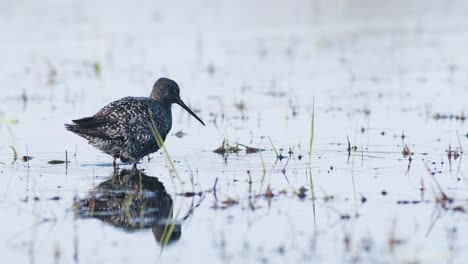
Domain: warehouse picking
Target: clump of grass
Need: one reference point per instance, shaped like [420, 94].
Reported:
[226, 148]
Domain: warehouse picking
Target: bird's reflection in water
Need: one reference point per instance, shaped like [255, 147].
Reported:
[132, 201]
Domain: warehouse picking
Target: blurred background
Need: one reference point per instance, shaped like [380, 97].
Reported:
[81, 55]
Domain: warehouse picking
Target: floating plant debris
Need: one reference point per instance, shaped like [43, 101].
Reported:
[55, 162]
[228, 148]
[26, 158]
[460, 117]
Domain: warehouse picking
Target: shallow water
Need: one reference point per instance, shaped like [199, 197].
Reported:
[379, 73]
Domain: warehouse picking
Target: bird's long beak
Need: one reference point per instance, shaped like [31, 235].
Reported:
[181, 103]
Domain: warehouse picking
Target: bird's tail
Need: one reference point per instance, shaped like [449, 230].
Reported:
[70, 127]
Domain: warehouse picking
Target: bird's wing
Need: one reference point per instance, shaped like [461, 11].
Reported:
[91, 127]
[109, 123]
[116, 119]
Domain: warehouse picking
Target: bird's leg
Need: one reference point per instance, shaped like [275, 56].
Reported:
[116, 167]
[116, 173]
[139, 174]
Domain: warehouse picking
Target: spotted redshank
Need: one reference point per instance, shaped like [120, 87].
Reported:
[128, 129]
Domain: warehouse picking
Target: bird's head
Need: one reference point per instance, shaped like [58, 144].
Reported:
[167, 92]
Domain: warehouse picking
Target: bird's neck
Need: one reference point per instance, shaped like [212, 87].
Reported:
[168, 109]
[161, 101]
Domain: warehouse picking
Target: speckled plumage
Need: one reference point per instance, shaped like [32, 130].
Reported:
[123, 128]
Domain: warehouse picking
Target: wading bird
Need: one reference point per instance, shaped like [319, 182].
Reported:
[132, 127]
